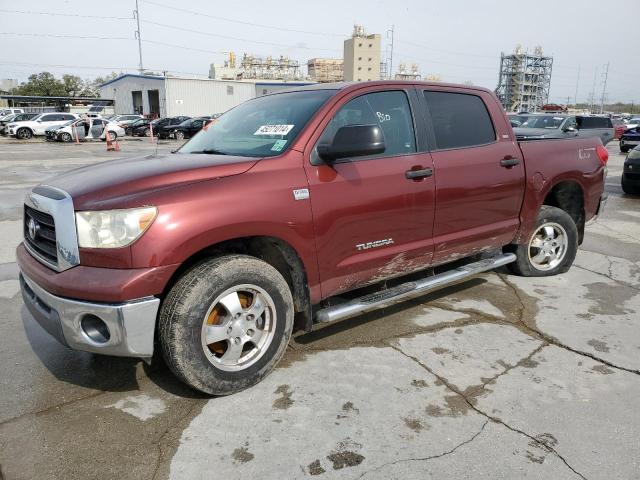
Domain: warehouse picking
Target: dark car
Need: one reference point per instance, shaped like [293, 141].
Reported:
[188, 128]
[631, 172]
[630, 139]
[165, 126]
[138, 128]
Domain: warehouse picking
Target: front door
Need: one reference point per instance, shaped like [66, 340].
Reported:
[371, 221]
[479, 174]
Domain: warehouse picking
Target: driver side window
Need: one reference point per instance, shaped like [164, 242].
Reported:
[389, 110]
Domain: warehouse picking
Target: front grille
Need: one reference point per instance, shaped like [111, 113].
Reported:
[44, 242]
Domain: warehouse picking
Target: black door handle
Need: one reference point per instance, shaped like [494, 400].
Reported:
[417, 174]
[509, 162]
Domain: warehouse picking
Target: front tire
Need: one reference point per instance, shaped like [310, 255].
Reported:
[552, 247]
[226, 323]
[179, 135]
[66, 137]
[24, 133]
[629, 189]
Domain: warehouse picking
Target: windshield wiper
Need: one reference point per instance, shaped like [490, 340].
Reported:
[211, 151]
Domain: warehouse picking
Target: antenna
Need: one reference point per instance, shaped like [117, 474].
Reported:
[136, 14]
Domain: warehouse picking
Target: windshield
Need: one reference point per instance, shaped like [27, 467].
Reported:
[543, 121]
[262, 127]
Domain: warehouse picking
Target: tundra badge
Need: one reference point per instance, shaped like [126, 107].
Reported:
[301, 193]
[374, 244]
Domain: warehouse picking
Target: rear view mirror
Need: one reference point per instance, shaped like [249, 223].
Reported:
[353, 141]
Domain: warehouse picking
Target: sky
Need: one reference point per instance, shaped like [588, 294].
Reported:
[458, 41]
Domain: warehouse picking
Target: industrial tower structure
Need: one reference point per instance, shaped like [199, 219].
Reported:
[525, 80]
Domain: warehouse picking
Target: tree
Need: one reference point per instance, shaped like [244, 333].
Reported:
[41, 84]
[92, 87]
[72, 85]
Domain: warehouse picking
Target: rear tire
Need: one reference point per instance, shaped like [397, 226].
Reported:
[629, 189]
[179, 135]
[552, 247]
[207, 328]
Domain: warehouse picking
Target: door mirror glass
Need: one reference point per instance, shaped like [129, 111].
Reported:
[570, 129]
[353, 141]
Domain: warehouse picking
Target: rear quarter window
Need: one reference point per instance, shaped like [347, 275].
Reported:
[459, 120]
[586, 123]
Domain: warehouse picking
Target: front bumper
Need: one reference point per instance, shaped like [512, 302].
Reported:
[130, 326]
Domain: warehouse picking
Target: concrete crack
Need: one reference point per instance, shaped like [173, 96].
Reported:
[534, 332]
[610, 277]
[519, 363]
[472, 405]
[431, 457]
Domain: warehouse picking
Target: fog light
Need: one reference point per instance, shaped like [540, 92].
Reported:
[95, 328]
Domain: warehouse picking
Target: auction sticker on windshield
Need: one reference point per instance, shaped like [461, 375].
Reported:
[274, 130]
[279, 145]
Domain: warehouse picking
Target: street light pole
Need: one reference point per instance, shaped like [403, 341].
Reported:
[136, 14]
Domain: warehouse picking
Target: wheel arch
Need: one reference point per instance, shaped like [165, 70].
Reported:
[272, 250]
[568, 195]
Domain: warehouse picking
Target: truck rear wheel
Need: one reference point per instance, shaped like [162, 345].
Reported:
[226, 323]
[552, 247]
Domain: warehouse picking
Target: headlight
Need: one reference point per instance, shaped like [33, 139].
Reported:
[113, 228]
[12, 125]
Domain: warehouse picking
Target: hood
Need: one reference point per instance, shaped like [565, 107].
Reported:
[129, 176]
[53, 128]
[538, 132]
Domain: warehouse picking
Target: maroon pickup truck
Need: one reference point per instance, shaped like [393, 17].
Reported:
[208, 254]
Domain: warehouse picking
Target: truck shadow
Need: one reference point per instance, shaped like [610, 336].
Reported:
[99, 372]
[321, 332]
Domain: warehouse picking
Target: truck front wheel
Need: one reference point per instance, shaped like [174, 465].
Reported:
[226, 323]
[552, 247]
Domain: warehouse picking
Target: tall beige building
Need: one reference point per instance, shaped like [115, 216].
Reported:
[325, 69]
[362, 54]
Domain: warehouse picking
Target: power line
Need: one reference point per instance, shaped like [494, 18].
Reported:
[216, 35]
[241, 22]
[51, 35]
[184, 48]
[446, 51]
[56, 14]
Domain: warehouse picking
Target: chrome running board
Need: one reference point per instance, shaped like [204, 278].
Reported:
[408, 290]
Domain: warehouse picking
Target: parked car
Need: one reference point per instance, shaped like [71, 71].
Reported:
[630, 139]
[9, 111]
[631, 172]
[113, 129]
[563, 126]
[13, 118]
[285, 203]
[517, 119]
[187, 129]
[83, 128]
[163, 127]
[125, 119]
[37, 125]
[139, 128]
[619, 126]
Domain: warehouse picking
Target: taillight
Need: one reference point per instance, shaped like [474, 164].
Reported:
[603, 154]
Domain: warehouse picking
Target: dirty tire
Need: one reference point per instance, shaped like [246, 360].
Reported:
[629, 189]
[523, 265]
[183, 313]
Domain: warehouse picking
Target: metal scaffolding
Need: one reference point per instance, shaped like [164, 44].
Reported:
[525, 80]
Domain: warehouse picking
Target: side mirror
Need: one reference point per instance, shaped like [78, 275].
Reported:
[570, 129]
[353, 141]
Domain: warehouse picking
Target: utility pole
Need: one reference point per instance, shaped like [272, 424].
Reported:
[604, 87]
[392, 31]
[592, 94]
[575, 97]
[136, 14]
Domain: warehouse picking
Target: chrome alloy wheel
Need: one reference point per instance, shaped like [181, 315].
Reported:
[548, 246]
[238, 327]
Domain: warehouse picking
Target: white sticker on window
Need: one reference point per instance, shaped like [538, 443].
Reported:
[274, 130]
[558, 118]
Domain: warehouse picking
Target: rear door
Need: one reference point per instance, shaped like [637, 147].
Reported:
[371, 222]
[479, 173]
[596, 127]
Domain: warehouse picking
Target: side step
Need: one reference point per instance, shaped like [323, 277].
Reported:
[408, 290]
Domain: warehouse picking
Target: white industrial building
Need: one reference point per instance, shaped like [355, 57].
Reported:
[173, 96]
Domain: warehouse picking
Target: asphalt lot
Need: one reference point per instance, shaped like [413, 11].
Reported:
[499, 377]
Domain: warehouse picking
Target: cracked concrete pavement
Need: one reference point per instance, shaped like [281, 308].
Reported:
[499, 377]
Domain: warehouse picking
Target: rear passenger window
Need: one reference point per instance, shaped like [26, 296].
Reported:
[49, 118]
[389, 110]
[586, 123]
[459, 120]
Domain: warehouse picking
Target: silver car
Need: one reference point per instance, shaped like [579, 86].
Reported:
[563, 126]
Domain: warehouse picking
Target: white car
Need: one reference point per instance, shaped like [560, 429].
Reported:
[114, 129]
[39, 124]
[125, 119]
[633, 123]
[84, 129]
[9, 111]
